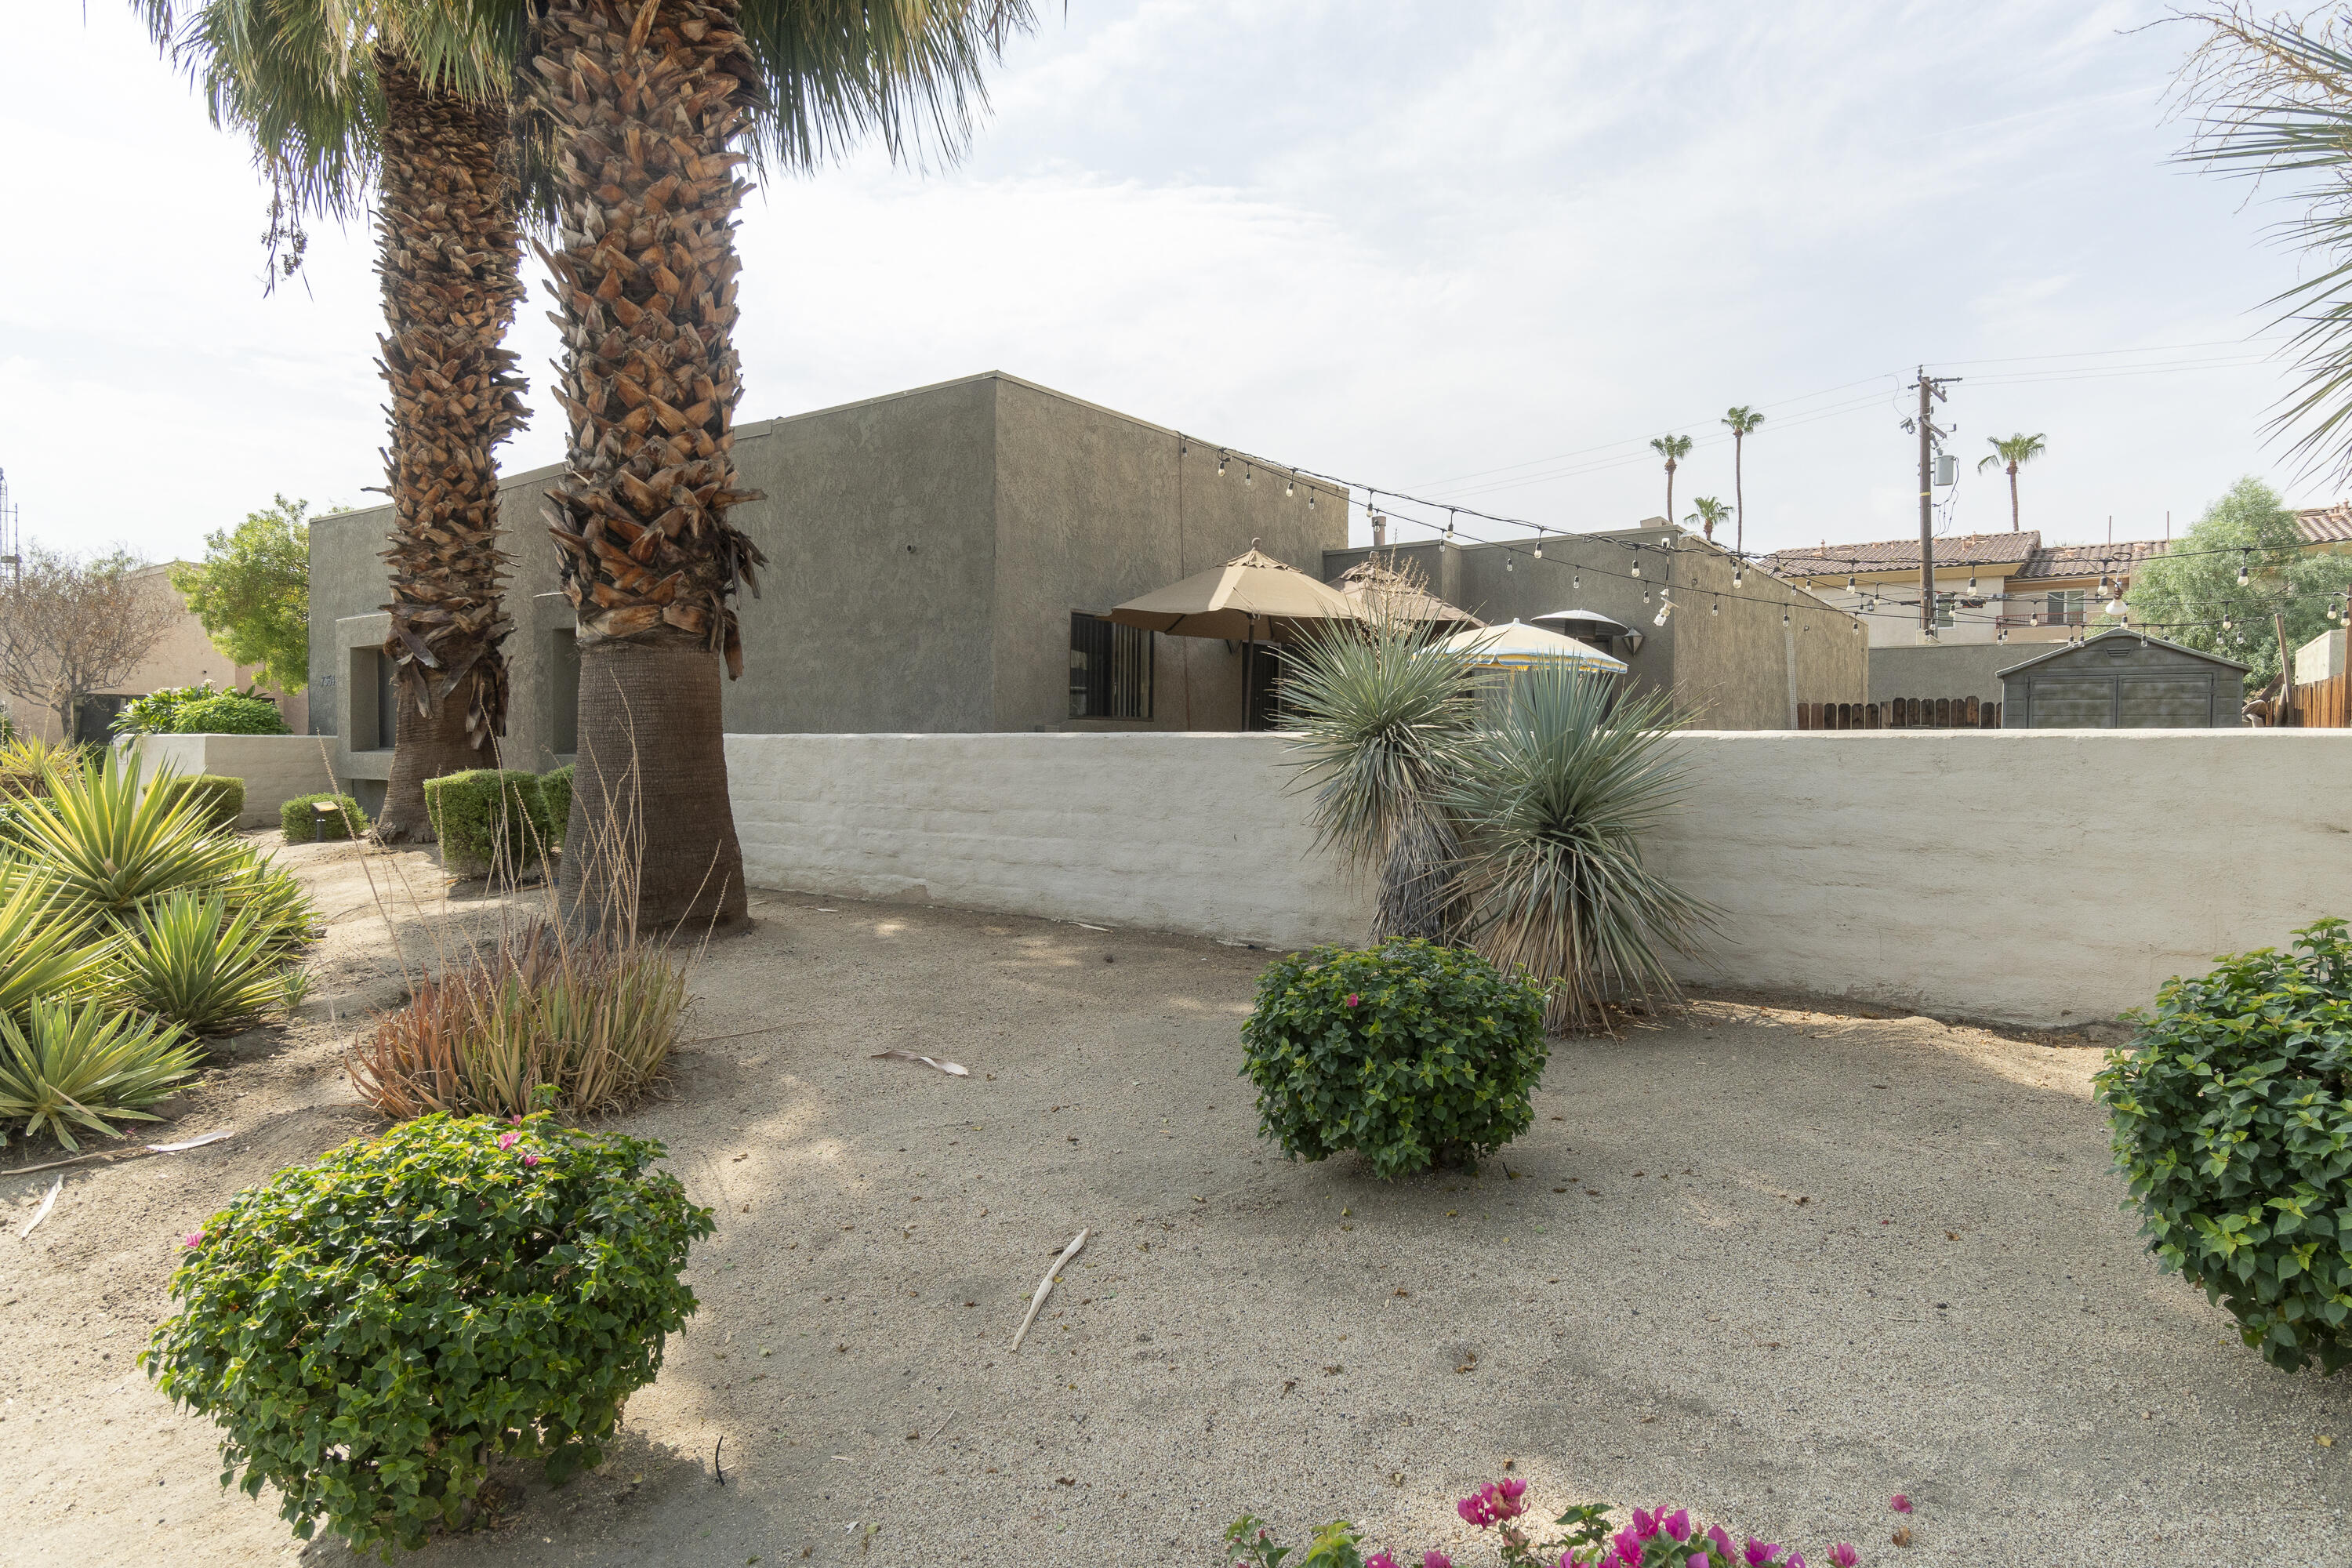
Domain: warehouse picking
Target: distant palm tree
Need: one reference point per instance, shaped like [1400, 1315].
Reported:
[1673, 450]
[1743, 421]
[2011, 450]
[1710, 512]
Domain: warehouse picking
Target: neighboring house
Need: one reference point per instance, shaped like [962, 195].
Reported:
[186, 656]
[938, 560]
[2123, 680]
[1989, 587]
[1734, 657]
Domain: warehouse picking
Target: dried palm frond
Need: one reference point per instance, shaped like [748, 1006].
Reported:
[1562, 781]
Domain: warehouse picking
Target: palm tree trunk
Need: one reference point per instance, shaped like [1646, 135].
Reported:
[1670, 492]
[1738, 497]
[649, 98]
[2015, 523]
[450, 262]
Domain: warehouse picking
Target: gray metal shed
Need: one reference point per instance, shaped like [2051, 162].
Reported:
[2124, 679]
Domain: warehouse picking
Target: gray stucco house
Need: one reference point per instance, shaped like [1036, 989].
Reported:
[938, 560]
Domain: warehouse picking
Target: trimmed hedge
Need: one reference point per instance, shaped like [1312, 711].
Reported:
[1415, 1054]
[229, 714]
[555, 788]
[223, 797]
[488, 820]
[303, 822]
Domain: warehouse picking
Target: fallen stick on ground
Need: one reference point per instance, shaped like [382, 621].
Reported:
[1044, 1288]
[117, 1155]
[51, 1202]
[953, 1069]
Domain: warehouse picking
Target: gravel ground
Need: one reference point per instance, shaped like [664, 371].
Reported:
[1771, 1262]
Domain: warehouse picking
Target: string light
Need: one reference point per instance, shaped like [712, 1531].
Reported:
[1289, 488]
[1449, 525]
[1311, 498]
[1576, 583]
[1249, 475]
[2000, 635]
[1849, 582]
[1665, 609]
[1220, 464]
[1784, 617]
[1716, 608]
[1637, 558]
[2242, 568]
[1972, 579]
[1736, 572]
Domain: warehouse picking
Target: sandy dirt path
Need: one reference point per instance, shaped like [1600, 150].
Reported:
[1773, 1263]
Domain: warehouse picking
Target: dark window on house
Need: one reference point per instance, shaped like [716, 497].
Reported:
[387, 702]
[2063, 609]
[1111, 669]
[564, 692]
[1944, 609]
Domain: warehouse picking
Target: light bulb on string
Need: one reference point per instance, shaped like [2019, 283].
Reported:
[1221, 465]
[1249, 475]
[1972, 579]
[1645, 595]
[2002, 635]
[1784, 617]
[2242, 568]
[1849, 582]
[1289, 488]
[1716, 608]
[1665, 609]
[1538, 548]
[1637, 558]
[1576, 583]
[1311, 498]
[1449, 525]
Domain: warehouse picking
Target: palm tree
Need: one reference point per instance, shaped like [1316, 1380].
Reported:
[2014, 451]
[410, 97]
[1673, 450]
[655, 106]
[1743, 421]
[1710, 512]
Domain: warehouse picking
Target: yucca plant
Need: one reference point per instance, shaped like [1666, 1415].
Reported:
[193, 962]
[272, 896]
[1561, 780]
[43, 952]
[69, 1065]
[27, 762]
[592, 1019]
[111, 844]
[1382, 715]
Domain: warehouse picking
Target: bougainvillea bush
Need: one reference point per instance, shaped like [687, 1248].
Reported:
[1657, 1538]
[1413, 1054]
[2233, 1125]
[372, 1329]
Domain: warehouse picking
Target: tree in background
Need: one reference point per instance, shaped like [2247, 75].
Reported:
[2015, 452]
[2272, 99]
[69, 628]
[252, 592]
[1673, 450]
[656, 106]
[1709, 513]
[2190, 594]
[413, 101]
[1743, 421]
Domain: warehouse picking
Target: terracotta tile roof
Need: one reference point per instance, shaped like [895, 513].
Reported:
[2329, 523]
[1896, 555]
[2089, 560]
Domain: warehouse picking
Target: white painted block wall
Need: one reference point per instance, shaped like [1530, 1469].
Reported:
[1847, 863]
[275, 768]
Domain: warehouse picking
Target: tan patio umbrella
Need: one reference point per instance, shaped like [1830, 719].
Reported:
[1379, 591]
[1250, 597]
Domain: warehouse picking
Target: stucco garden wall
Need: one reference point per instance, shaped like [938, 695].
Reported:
[275, 768]
[1846, 863]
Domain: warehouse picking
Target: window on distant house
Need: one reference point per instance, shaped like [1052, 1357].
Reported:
[2064, 609]
[1943, 608]
[1111, 669]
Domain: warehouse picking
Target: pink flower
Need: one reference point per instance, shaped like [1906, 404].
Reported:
[1434, 1558]
[1512, 1489]
[1899, 1504]
[1760, 1552]
[515, 1121]
[1379, 1559]
[194, 1238]
[1354, 997]
[1626, 1547]
[1796, 1560]
[1677, 1525]
[509, 1139]
[1696, 1560]
[1645, 1525]
[528, 1160]
[1477, 1509]
[1843, 1556]
[1722, 1544]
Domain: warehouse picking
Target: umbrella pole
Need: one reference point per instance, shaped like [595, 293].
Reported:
[1249, 668]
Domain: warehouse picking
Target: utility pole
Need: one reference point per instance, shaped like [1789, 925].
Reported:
[1931, 392]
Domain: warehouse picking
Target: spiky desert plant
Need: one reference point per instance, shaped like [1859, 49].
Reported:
[109, 844]
[411, 100]
[1381, 713]
[67, 1065]
[655, 109]
[43, 951]
[193, 962]
[1560, 782]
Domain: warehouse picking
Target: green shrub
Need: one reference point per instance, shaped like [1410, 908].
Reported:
[157, 713]
[220, 798]
[1410, 1053]
[303, 822]
[488, 820]
[79, 1065]
[555, 788]
[229, 713]
[2232, 1117]
[193, 963]
[372, 1329]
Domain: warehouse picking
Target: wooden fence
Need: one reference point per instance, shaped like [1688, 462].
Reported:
[1900, 713]
[2324, 704]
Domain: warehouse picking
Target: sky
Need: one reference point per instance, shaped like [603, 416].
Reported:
[1476, 253]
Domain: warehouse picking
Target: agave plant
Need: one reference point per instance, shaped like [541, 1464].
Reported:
[67, 1065]
[42, 952]
[193, 963]
[1382, 715]
[1561, 780]
[111, 845]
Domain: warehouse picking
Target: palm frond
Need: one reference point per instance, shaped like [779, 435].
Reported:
[1563, 781]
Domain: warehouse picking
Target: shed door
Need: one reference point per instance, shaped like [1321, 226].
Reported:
[2165, 702]
[2073, 702]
